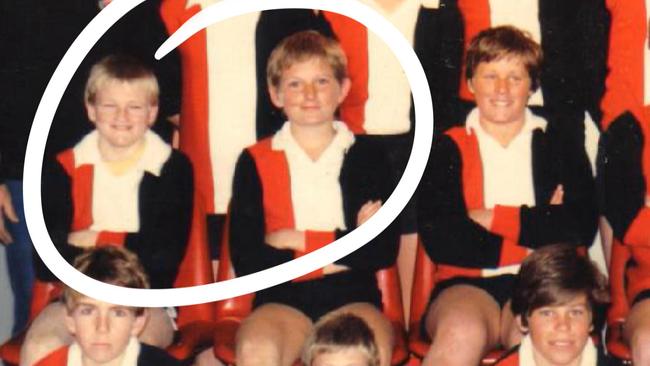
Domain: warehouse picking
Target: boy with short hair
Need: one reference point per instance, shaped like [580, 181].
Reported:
[312, 182]
[344, 339]
[121, 185]
[556, 294]
[105, 334]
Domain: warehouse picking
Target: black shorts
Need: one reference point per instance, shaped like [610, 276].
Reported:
[645, 294]
[316, 298]
[499, 287]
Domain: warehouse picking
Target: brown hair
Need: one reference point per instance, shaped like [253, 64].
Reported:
[112, 265]
[302, 46]
[496, 43]
[553, 275]
[342, 332]
[121, 68]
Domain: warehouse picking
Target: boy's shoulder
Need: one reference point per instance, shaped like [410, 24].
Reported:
[154, 356]
[58, 357]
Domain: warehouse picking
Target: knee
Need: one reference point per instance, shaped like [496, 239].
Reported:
[457, 341]
[640, 346]
[252, 351]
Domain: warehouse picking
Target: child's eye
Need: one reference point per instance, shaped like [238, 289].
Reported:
[135, 110]
[323, 81]
[85, 310]
[294, 84]
[545, 312]
[515, 79]
[577, 312]
[490, 76]
[120, 312]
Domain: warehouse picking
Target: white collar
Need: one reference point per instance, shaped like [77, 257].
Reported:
[589, 354]
[284, 140]
[155, 154]
[531, 122]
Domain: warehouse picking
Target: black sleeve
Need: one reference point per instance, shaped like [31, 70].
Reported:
[438, 42]
[365, 176]
[57, 213]
[621, 183]
[448, 234]
[557, 161]
[248, 249]
[165, 220]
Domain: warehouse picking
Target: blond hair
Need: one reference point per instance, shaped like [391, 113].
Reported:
[303, 46]
[121, 68]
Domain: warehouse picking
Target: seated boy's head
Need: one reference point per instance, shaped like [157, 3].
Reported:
[502, 69]
[505, 42]
[121, 99]
[555, 294]
[307, 77]
[343, 340]
[103, 330]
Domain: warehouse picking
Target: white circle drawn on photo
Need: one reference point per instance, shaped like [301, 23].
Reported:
[263, 279]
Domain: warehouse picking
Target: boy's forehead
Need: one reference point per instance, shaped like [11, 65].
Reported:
[313, 60]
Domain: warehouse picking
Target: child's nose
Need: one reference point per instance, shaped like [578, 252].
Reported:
[102, 324]
[502, 85]
[309, 90]
[563, 322]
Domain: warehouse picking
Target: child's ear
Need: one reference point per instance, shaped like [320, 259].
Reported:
[346, 84]
[470, 86]
[91, 111]
[152, 115]
[522, 327]
[69, 322]
[276, 96]
[139, 323]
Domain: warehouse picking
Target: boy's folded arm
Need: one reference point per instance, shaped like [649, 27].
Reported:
[249, 251]
[167, 209]
[622, 185]
[447, 232]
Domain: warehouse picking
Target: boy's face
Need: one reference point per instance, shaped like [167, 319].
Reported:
[501, 89]
[347, 357]
[559, 332]
[122, 113]
[308, 92]
[102, 330]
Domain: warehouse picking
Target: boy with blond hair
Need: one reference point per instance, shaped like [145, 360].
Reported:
[121, 185]
[299, 190]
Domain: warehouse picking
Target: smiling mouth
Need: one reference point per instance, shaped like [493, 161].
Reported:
[122, 127]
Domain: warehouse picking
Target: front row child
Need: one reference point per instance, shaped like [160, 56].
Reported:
[342, 340]
[106, 334]
[556, 294]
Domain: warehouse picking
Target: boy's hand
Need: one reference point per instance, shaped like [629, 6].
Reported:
[286, 239]
[482, 217]
[6, 211]
[334, 268]
[83, 238]
[367, 210]
[558, 195]
[647, 201]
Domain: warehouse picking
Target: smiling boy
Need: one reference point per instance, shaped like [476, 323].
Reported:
[556, 294]
[299, 190]
[121, 185]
